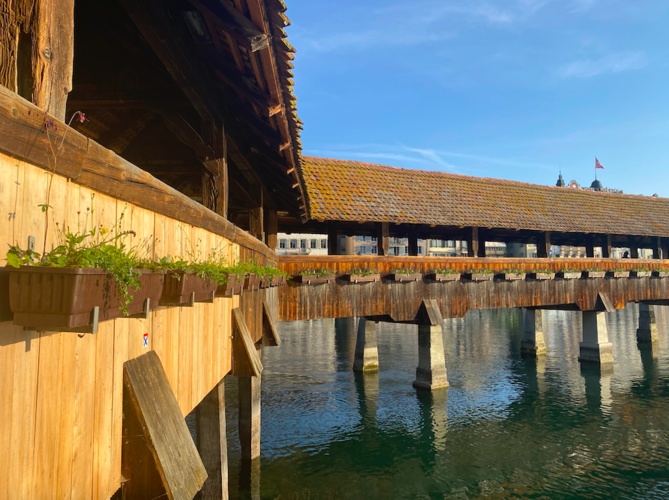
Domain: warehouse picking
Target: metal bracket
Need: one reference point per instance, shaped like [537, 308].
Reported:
[90, 328]
[145, 313]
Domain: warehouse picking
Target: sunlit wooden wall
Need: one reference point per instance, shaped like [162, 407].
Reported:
[61, 395]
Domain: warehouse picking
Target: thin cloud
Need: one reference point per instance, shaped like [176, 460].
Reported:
[612, 63]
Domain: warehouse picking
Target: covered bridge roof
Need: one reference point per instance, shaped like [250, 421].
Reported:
[340, 190]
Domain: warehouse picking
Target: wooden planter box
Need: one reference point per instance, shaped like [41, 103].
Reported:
[512, 276]
[235, 286]
[356, 278]
[594, 274]
[252, 282]
[618, 275]
[660, 274]
[640, 274]
[183, 288]
[266, 282]
[314, 280]
[404, 278]
[479, 276]
[278, 280]
[61, 299]
[542, 276]
[569, 276]
[444, 278]
[5, 311]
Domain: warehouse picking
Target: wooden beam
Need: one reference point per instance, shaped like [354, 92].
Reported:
[383, 238]
[606, 246]
[256, 212]
[590, 246]
[212, 443]
[234, 22]
[187, 135]
[657, 247]
[245, 359]
[473, 243]
[272, 228]
[270, 336]
[333, 240]
[544, 245]
[168, 437]
[413, 241]
[53, 57]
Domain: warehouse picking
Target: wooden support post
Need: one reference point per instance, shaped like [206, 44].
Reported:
[595, 347]
[333, 241]
[657, 248]
[544, 245]
[366, 351]
[665, 248]
[647, 331]
[383, 238]
[533, 343]
[249, 417]
[634, 251]
[165, 431]
[473, 243]
[212, 443]
[590, 246]
[53, 57]
[606, 247]
[256, 213]
[413, 242]
[272, 228]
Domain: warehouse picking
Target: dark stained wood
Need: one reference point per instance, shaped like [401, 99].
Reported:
[606, 246]
[256, 212]
[657, 247]
[413, 242]
[271, 228]
[383, 238]
[402, 301]
[245, 359]
[333, 240]
[473, 244]
[212, 443]
[634, 251]
[429, 313]
[270, 337]
[234, 23]
[604, 303]
[590, 246]
[544, 244]
[171, 445]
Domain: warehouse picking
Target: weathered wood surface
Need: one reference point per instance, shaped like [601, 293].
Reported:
[167, 434]
[25, 137]
[402, 301]
[245, 359]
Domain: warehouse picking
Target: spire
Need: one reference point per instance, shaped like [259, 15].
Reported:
[560, 182]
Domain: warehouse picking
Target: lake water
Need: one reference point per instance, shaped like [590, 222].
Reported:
[507, 427]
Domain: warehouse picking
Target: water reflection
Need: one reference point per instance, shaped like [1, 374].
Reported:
[508, 427]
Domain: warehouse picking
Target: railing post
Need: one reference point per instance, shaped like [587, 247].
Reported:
[383, 238]
[333, 243]
[413, 242]
[473, 243]
[544, 245]
[606, 247]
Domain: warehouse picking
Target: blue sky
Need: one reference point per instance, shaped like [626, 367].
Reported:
[515, 89]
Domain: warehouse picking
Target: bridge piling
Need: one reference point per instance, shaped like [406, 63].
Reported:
[249, 417]
[431, 370]
[595, 347]
[212, 443]
[647, 331]
[366, 349]
[533, 343]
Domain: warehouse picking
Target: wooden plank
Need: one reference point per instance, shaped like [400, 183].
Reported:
[245, 359]
[66, 417]
[52, 61]
[176, 457]
[383, 238]
[270, 336]
[272, 222]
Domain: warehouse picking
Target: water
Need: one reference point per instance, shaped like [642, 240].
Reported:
[506, 428]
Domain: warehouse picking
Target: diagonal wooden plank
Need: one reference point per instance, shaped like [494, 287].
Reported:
[270, 336]
[169, 440]
[245, 359]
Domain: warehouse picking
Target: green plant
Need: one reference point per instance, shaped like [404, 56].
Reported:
[318, 273]
[641, 269]
[97, 248]
[543, 271]
[512, 270]
[446, 271]
[362, 272]
[484, 270]
[595, 269]
[404, 271]
[568, 270]
[619, 270]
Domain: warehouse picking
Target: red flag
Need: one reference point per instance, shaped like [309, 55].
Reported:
[598, 165]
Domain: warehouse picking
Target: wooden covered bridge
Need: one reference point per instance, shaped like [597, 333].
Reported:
[179, 116]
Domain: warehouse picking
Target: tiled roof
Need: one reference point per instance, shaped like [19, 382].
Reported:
[340, 190]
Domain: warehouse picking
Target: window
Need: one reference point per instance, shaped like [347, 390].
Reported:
[303, 243]
[374, 250]
[293, 243]
[451, 244]
[406, 250]
[282, 243]
[313, 243]
[420, 250]
[324, 243]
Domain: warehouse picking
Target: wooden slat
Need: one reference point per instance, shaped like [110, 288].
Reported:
[177, 459]
[270, 337]
[245, 359]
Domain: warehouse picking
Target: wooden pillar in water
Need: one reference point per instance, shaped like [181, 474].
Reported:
[533, 343]
[595, 347]
[647, 331]
[366, 350]
[383, 238]
[212, 443]
[249, 417]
